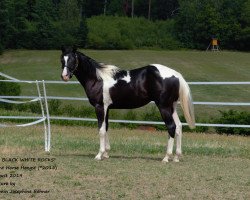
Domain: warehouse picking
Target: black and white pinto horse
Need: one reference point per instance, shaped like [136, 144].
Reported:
[109, 87]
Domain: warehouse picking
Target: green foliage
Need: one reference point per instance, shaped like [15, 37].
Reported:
[47, 24]
[41, 24]
[233, 117]
[1, 48]
[243, 39]
[3, 24]
[8, 89]
[35, 107]
[198, 129]
[107, 32]
[153, 114]
[130, 115]
[199, 21]
[54, 107]
[45, 35]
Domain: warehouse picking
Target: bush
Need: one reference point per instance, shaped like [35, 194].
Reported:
[198, 129]
[153, 114]
[233, 117]
[109, 32]
[54, 107]
[9, 89]
[35, 107]
[130, 115]
[1, 48]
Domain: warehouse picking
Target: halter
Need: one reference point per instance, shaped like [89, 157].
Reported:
[76, 66]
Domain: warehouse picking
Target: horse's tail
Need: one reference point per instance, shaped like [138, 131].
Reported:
[186, 102]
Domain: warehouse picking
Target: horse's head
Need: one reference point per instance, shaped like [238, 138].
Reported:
[69, 62]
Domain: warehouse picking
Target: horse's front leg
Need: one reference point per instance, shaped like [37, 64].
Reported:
[101, 113]
[107, 144]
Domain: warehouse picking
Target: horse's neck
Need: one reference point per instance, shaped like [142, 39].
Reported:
[88, 80]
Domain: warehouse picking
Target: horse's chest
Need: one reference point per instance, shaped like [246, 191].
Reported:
[107, 85]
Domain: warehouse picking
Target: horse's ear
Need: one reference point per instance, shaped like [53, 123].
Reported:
[63, 48]
[74, 48]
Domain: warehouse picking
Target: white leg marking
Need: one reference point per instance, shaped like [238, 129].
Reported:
[170, 146]
[178, 132]
[107, 147]
[107, 143]
[102, 133]
[169, 149]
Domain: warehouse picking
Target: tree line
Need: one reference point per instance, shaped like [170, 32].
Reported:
[47, 24]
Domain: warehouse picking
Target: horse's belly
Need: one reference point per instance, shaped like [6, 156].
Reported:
[128, 103]
[128, 98]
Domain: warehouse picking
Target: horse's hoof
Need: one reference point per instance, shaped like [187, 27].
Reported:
[98, 157]
[105, 155]
[165, 160]
[176, 159]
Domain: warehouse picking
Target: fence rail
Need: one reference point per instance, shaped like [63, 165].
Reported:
[127, 121]
[45, 118]
[86, 99]
[190, 83]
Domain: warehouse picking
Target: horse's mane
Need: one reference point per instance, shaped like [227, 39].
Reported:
[102, 71]
[106, 72]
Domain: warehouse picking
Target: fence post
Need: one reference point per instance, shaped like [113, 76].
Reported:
[44, 122]
[48, 117]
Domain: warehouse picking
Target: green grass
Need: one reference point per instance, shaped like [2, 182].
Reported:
[194, 65]
[212, 166]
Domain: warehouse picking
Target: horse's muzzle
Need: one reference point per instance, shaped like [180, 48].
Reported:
[65, 78]
[66, 75]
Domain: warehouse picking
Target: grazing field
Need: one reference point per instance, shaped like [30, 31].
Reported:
[194, 65]
[212, 167]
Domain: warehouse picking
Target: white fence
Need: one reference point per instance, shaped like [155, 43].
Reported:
[45, 118]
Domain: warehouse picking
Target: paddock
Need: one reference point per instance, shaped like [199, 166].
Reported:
[212, 167]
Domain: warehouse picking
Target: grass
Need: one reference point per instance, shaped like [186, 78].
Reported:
[194, 65]
[212, 167]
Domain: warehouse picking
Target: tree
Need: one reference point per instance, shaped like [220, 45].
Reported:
[69, 11]
[211, 18]
[92, 7]
[162, 9]
[244, 36]
[4, 24]
[82, 33]
[149, 9]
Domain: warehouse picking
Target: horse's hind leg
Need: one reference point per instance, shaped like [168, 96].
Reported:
[166, 114]
[178, 132]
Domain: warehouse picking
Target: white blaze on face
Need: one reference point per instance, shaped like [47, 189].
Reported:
[66, 60]
[65, 69]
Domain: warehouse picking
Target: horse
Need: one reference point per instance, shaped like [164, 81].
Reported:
[109, 87]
